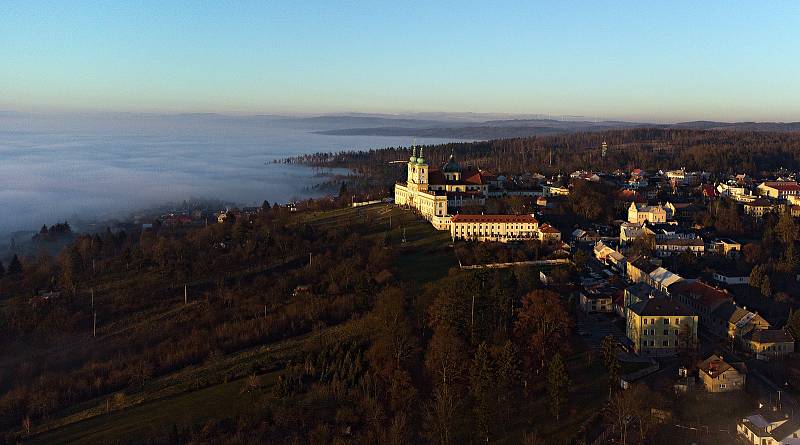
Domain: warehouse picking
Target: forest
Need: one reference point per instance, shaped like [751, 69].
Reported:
[318, 326]
[653, 149]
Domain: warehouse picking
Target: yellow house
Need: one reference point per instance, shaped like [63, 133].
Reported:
[639, 213]
[720, 376]
[661, 326]
[770, 342]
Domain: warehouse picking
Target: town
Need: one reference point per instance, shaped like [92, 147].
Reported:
[679, 280]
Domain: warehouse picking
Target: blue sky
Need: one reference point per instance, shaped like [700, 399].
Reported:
[659, 61]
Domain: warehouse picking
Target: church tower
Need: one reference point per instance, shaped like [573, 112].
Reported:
[421, 175]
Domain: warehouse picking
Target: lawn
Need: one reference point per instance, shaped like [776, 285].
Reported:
[155, 418]
[188, 396]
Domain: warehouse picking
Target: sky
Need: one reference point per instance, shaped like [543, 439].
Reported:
[656, 61]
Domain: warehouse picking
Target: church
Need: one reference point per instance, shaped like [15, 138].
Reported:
[439, 194]
[434, 193]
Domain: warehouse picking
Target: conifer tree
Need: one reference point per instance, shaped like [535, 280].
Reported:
[14, 267]
[481, 381]
[557, 383]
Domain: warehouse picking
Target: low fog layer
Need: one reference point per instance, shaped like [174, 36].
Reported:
[56, 167]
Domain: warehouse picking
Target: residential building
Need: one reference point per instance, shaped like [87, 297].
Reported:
[638, 269]
[638, 292]
[758, 207]
[596, 300]
[778, 189]
[726, 247]
[661, 326]
[629, 232]
[769, 427]
[703, 300]
[549, 234]
[770, 342]
[718, 375]
[662, 279]
[639, 213]
[501, 228]
[735, 322]
[677, 246]
[730, 278]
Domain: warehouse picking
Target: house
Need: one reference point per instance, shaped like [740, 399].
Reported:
[638, 292]
[726, 247]
[677, 246]
[730, 278]
[585, 236]
[758, 207]
[638, 269]
[770, 426]
[661, 326]
[549, 234]
[662, 279]
[770, 342]
[736, 322]
[629, 232]
[703, 300]
[680, 210]
[553, 190]
[778, 189]
[639, 213]
[682, 177]
[596, 300]
[718, 375]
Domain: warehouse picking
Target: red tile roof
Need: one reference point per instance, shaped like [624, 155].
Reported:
[708, 295]
[547, 228]
[494, 218]
[783, 185]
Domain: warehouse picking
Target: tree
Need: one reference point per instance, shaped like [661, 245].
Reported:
[611, 361]
[543, 327]
[766, 287]
[509, 380]
[619, 412]
[441, 417]
[2, 270]
[482, 390]
[394, 342]
[14, 267]
[71, 265]
[793, 324]
[557, 384]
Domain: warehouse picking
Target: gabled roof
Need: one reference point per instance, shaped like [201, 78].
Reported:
[771, 336]
[784, 186]
[713, 366]
[706, 295]
[547, 228]
[644, 265]
[660, 306]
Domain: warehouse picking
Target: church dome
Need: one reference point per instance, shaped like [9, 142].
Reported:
[420, 159]
[451, 166]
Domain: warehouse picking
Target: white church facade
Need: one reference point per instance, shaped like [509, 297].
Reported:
[437, 193]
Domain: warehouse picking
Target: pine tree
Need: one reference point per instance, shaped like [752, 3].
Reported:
[481, 382]
[509, 380]
[14, 267]
[2, 270]
[611, 361]
[557, 383]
